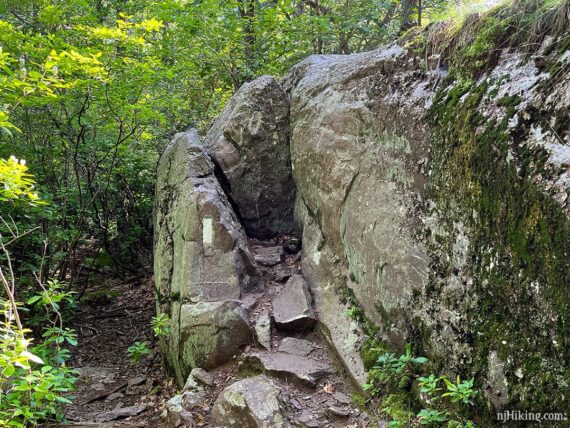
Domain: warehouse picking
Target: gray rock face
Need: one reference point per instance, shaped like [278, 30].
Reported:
[201, 254]
[249, 403]
[292, 306]
[250, 144]
[290, 366]
[356, 136]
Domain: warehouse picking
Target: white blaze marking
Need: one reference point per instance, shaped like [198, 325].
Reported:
[207, 231]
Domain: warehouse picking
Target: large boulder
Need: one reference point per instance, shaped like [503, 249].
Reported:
[201, 252]
[249, 403]
[356, 142]
[442, 216]
[249, 143]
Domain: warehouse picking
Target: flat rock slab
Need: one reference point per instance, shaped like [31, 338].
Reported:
[268, 256]
[292, 306]
[249, 403]
[290, 366]
[292, 345]
[121, 412]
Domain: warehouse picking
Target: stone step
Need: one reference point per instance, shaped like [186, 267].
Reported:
[289, 366]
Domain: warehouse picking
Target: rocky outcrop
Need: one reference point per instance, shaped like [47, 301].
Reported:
[202, 258]
[424, 202]
[357, 138]
[250, 144]
[433, 211]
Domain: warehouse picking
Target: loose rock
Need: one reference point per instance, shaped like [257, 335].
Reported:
[292, 345]
[263, 330]
[176, 415]
[249, 403]
[292, 306]
[202, 376]
[290, 366]
[114, 396]
[121, 412]
[342, 398]
[308, 420]
[338, 411]
[268, 256]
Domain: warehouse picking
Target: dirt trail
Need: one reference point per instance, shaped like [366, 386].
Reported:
[112, 315]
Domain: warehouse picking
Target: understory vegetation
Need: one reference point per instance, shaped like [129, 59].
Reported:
[92, 91]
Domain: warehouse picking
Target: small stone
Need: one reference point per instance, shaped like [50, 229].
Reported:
[342, 398]
[191, 399]
[281, 273]
[296, 404]
[263, 330]
[202, 376]
[292, 306]
[268, 256]
[176, 415]
[338, 411]
[193, 393]
[137, 381]
[120, 412]
[114, 396]
[98, 387]
[307, 419]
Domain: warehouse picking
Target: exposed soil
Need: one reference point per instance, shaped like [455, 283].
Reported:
[112, 315]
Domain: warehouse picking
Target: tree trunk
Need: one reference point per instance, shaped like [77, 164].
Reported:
[247, 12]
[409, 10]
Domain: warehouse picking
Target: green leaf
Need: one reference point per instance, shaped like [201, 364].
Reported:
[33, 299]
[8, 371]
